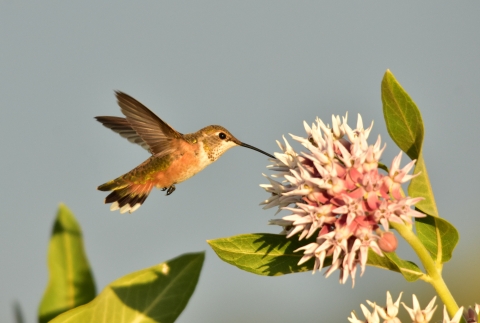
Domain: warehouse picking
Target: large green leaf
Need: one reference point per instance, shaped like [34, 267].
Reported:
[263, 253]
[438, 236]
[405, 126]
[420, 187]
[273, 255]
[70, 279]
[153, 295]
[402, 117]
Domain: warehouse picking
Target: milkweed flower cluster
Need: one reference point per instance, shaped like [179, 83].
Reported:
[388, 314]
[337, 192]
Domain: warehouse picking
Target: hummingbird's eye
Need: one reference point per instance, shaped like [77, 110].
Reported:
[222, 136]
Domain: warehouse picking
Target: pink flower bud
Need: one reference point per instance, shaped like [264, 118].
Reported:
[388, 242]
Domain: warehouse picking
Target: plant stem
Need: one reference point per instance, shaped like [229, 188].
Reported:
[434, 276]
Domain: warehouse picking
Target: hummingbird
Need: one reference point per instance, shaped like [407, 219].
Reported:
[175, 157]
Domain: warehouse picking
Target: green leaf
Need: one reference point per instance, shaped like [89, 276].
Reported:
[156, 294]
[263, 254]
[408, 269]
[405, 126]
[273, 255]
[420, 187]
[438, 236]
[391, 261]
[402, 117]
[70, 280]
[17, 312]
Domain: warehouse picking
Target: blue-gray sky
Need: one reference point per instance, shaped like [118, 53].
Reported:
[259, 68]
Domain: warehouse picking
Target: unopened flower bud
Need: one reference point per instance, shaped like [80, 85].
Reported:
[388, 242]
[472, 315]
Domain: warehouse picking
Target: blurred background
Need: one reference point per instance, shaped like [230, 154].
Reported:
[259, 68]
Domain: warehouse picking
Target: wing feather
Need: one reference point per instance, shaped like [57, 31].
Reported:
[156, 133]
[124, 129]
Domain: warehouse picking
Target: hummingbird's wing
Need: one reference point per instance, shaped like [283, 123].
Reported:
[156, 133]
[124, 129]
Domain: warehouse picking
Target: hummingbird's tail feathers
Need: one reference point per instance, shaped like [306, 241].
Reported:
[126, 197]
[112, 185]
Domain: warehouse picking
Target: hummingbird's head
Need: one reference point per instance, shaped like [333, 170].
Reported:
[217, 140]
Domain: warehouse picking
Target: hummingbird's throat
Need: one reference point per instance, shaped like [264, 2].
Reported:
[215, 148]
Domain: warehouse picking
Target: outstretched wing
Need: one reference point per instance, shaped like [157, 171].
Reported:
[156, 133]
[124, 129]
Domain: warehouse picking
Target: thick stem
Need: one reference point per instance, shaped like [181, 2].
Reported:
[434, 276]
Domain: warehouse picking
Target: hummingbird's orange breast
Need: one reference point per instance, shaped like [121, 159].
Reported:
[186, 161]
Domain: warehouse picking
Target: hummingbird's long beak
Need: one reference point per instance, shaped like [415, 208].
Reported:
[255, 148]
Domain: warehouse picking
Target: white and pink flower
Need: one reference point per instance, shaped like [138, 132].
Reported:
[339, 195]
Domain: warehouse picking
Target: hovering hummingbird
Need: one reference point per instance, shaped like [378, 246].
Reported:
[175, 157]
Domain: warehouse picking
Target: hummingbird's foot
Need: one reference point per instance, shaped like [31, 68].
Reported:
[164, 189]
[170, 190]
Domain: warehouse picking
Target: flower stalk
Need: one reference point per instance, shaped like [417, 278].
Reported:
[434, 276]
